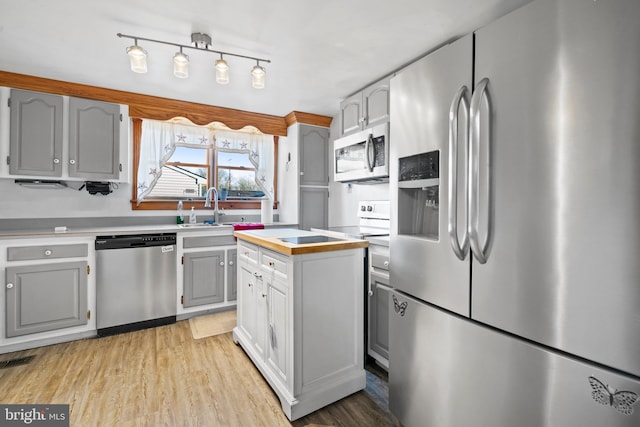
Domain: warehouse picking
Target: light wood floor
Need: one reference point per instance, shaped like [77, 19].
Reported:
[163, 377]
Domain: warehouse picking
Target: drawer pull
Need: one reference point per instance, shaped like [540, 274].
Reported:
[9, 285]
[386, 264]
[48, 252]
[221, 263]
[257, 276]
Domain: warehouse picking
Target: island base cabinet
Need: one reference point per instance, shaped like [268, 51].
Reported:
[308, 340]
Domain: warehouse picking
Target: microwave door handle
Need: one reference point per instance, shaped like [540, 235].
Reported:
[461, 250]
[368, 146]
[480, 93]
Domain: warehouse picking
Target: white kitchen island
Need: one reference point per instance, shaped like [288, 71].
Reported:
[300, 315]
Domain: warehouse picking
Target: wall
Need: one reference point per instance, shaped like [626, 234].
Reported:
[288, 175]
[344, 198]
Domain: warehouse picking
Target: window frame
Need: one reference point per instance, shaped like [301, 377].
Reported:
[169, 203]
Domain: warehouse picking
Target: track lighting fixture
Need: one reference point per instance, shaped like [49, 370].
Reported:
[201, 42]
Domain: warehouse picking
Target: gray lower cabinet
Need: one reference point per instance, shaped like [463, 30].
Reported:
[35, 146]
[203, 278]
[45, 297]
[232, 275]
[314, 208]
[379, 301]
[94, 139]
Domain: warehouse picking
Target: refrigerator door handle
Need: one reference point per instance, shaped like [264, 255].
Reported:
[461, 250]
[479, 94]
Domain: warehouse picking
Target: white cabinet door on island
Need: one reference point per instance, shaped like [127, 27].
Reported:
[300, 315]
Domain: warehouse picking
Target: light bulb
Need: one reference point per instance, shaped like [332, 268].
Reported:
[138, 59]
[222, 71]
[257, 77]
[181, 65]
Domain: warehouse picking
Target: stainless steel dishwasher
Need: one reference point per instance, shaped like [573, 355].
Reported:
[135, 281]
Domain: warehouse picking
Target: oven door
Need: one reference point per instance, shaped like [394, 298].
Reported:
[363, 155]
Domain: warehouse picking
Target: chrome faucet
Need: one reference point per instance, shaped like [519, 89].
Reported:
[207, 203]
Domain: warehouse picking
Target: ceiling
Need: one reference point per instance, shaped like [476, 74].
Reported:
[320, 51]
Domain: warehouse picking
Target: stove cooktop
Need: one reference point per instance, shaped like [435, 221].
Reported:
[301, 240]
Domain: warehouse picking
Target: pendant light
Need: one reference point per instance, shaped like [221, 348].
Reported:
[257, 76]
[201, 42]
[138, 58]
[180, 65]
[222, 71]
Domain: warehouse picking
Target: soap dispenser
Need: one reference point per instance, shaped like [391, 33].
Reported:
[192, 217]
[180, 216]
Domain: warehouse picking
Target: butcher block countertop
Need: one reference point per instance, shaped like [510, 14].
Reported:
[271, 239]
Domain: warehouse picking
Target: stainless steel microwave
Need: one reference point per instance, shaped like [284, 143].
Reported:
[363, 156]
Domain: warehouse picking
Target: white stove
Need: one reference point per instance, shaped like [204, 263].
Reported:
[373, 221]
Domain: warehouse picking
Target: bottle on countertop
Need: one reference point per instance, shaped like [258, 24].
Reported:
[192, 217]
[180, 216]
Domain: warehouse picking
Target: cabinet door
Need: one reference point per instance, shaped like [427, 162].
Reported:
[45, 297]
[351, 116]
[277, 328]
[379, 316]
[94, 139]
[247, 300]
[203, 278]
[314, 208]
[36, 134]
[314, 155]
[375, 99]
[232, 275]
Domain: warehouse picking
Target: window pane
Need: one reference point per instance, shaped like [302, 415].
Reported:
[183, 181]
[234, 159]
[239, 180]
[189, 155]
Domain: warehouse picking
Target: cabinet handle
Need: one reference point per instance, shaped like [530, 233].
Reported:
[9, 285]
[221, 263]
[264, 295]
[230, 262]
[48, 252]
[370, 293]
[250, 284]
[56, 161]
[257, 276]
[73, 162]
[386, 264]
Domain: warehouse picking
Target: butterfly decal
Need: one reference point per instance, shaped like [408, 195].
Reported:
[621, 400]
[400, 308]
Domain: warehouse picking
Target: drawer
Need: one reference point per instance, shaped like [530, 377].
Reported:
[271, 261]
[248, 251]
[207, 241]
[22, 253]
[380, 261]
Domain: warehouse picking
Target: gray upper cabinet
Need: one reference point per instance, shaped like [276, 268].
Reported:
[203, 278]
[366, 108]
[314, 157]
[45, 297]
[94, 139]
[91, 151]
[36, 134]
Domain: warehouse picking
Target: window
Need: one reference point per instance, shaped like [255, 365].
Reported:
[180, 162]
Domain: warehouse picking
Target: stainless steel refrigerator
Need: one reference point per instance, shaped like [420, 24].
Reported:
[515, 225]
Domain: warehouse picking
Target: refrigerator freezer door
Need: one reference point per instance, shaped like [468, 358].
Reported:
[562, 265]
[447, 371]
[421, 98]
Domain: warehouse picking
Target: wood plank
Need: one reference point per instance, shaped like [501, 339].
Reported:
[162, 376]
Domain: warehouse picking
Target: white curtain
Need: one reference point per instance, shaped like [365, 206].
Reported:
[260, 149]
[159, 139]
